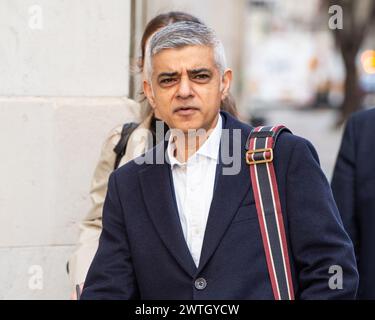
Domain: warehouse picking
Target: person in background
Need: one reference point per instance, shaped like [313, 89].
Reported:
[353, 186]
[129, 141]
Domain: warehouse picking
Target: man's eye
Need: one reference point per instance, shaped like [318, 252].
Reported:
[167, 80]
[202, 77]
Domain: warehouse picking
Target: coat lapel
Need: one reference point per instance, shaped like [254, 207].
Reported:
[229, 193]
[158, 195]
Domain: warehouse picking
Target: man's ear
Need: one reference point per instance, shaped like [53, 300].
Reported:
[225, 83]
[147, 89]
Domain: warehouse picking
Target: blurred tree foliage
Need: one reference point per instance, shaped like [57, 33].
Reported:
[358, 17]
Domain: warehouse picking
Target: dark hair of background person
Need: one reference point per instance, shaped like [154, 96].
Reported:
[163, 20]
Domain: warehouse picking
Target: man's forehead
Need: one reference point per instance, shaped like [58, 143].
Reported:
[187, 58]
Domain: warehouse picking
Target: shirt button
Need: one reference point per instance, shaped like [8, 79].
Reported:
[200, 284]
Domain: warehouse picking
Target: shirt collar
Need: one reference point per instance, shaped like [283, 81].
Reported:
[209, 149]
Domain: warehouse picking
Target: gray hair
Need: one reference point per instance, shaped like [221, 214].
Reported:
[182, 34]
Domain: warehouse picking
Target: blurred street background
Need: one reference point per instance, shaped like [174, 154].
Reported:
[67, 68]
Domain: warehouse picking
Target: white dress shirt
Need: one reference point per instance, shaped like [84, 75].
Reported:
[193, 184]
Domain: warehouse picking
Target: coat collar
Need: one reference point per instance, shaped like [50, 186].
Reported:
[229, 192]
[209, 149]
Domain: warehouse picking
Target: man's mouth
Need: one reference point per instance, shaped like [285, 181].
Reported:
[185, 111]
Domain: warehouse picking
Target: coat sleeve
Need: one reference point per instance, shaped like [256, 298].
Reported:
[111, 274]
[343, 184]
[91, 226]
[319, 242]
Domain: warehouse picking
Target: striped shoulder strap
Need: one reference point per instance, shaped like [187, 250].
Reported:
[259, 156]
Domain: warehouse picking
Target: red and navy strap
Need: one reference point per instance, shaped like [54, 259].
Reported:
[260, 146]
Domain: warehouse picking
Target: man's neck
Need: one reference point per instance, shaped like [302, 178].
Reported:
[190, 142]
[190, 145]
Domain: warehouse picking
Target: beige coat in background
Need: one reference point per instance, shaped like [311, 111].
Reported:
[91, 226]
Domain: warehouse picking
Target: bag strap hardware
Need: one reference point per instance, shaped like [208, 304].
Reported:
[266, 155]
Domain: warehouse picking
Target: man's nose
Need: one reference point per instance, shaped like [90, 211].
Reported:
[185, 89]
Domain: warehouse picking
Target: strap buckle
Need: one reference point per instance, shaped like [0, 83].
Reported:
[267, 156]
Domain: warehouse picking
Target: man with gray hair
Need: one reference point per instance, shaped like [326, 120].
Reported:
[187, 228]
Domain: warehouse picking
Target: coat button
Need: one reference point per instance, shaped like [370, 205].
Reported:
[200, 283]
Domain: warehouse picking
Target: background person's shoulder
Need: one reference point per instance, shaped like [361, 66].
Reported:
[363, 117]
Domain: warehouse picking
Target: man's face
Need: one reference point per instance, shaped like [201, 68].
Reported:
[187, 88]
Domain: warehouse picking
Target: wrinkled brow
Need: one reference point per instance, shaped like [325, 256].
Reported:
[200, 70]
[168, 74]
[190, 72]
